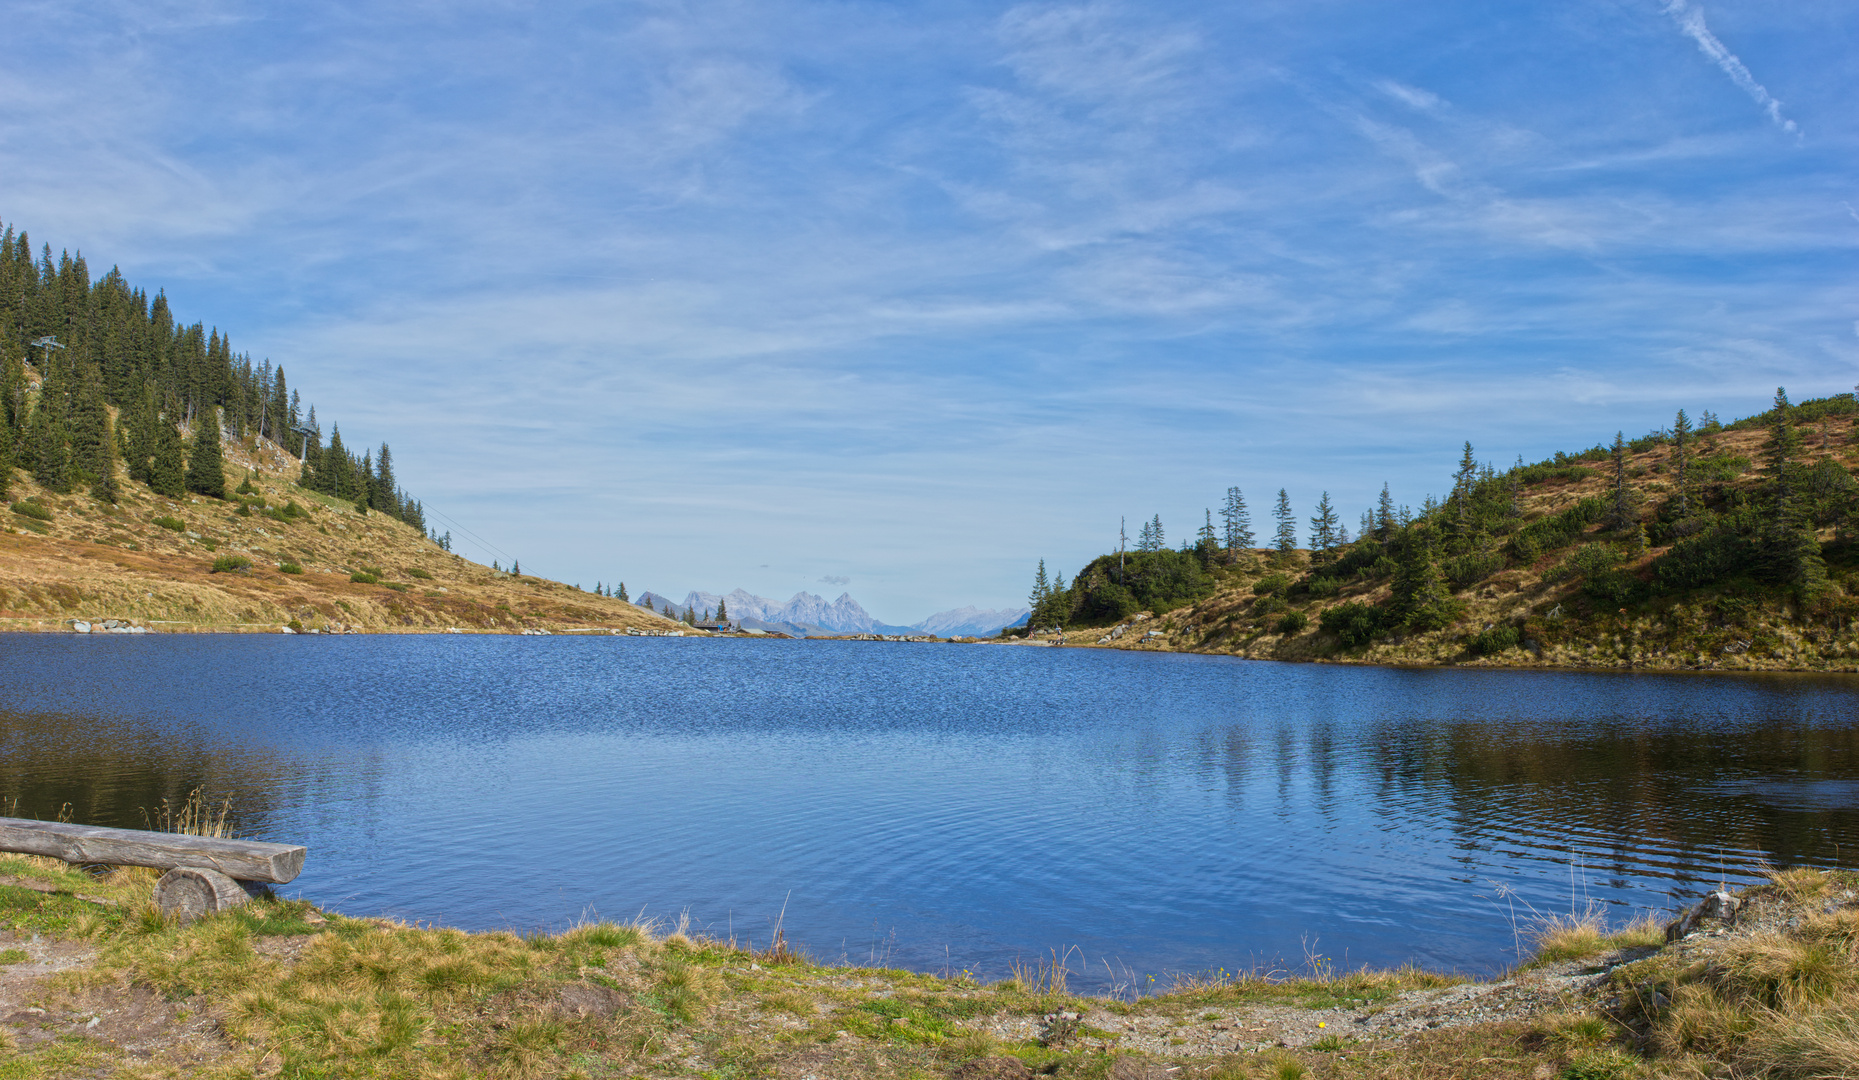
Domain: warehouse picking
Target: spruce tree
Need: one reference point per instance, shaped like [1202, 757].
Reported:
[167, 467]
[206, 468]
[1419, 599]
[1286, 541]
[104, 488]
[1042, 587]
[623, 596]
[46, 450]
[1238, 522]
[384, 487]
[1155, 533]
[1681, 463]
[1145, 538]
[1387, 519]
[1790, 550]
[1463, 481]
[1621, 513]
[722, 610]
[1323, 538]
[93, 450]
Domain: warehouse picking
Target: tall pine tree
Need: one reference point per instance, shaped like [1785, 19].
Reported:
[206, 465]
[1286, 538]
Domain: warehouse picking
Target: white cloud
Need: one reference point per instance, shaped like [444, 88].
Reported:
[1690, 19]
[1411, 96]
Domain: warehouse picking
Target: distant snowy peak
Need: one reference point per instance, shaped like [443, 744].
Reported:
[971, 621]
[804, 611]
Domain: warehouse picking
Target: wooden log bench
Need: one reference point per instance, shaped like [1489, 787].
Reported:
[203, 873]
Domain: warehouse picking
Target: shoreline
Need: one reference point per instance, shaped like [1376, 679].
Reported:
[91, 982]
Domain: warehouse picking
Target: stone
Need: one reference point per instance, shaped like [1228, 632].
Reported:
[1718, 907]
[190, 892]
[81, 626]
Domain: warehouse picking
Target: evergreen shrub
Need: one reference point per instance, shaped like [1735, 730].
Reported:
[1293, 622]
[172, 524]
[229, 563]
[1614, 587]
[416, 572]
[1717, 468]
[1585, 561]
[32, 510]
[362, 577]
[1323, 586]
[1354, 624]
[1469, 569]
[1495, 640]
[289, 568]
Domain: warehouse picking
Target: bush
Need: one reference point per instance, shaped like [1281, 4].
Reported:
[1585, 562]
[228, 563]
[1551, 533]
[32, 510]
[289, 568]
[1466, 570]
[1354, 624]
[1613, 587]
[1268, 604]
[172, 524]
[1271, 584]
[1495, 640]
[374, 570]
[416, 572]
[1293, 622]
[1704, 560]
[210, 545]
[1323, 586]
[1543, 472]
[362, 577]
[1717, 468]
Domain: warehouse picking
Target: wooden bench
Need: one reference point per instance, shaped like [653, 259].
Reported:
[203, 873]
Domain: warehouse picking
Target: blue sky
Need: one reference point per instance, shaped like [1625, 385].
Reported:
[707, 295]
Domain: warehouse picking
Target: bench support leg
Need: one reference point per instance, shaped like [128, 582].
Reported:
[189, 892]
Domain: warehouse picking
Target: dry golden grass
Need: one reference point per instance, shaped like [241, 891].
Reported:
[97, 561]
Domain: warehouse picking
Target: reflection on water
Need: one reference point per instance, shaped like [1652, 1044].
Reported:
[938, 806]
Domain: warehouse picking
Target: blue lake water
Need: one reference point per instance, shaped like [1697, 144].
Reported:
[948, 807]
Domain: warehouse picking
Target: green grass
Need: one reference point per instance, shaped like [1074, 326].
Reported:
[172, 524]
[32, 510]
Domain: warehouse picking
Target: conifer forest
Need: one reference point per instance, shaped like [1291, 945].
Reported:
[102, 383]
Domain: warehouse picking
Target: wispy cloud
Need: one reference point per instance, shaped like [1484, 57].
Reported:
[1690, 19]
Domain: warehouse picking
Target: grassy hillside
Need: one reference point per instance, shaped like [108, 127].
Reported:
[149, 560]
[1586, 560]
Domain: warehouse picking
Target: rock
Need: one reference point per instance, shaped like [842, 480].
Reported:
[80, 626]
[1718, 907]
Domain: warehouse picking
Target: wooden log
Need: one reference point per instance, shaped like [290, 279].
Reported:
[188, 892]
[244, 860]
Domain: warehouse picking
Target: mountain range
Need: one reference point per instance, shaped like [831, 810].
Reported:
[805, 615]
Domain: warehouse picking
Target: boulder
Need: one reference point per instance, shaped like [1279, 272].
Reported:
[1719, 907]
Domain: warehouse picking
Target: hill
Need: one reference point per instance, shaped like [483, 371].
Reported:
[122, 435]
[1728, 547]
[311, 561]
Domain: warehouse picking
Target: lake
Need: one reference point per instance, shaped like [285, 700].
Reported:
[947, 807]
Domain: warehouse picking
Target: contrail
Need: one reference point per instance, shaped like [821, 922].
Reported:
[1691, 20]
